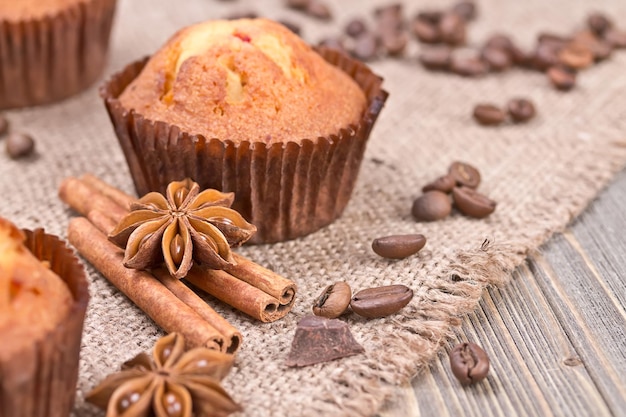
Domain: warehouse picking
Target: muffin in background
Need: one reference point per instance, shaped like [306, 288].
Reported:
[43, 298]
[51, 49]
[248, 107]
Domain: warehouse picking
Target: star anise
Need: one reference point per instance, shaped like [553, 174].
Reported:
[173, 383]
[180, 227]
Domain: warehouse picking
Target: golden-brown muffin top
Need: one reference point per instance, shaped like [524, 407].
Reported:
[17, 10]
[33, 299]
[247, 79]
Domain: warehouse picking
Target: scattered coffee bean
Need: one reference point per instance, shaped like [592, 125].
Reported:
[520, 109]
[472, 203]
[431, 206]
[398, 246]
[500, 41]
[425, 31]
[333, 301]
[545, 56]
[469, 363]
[19, 145]
[616, 38]
[469, 66]
[319, 340]
[465, 9]
[318, 10]
[600, 48]
[365, 47]
[355, 27]
[444, 184]
[576, 55]
[395, 43]
[436, 57]
[298, 4]
[599, 23]
[430, 16]
[562, 78]
[381, 301]
[498, 59]
[452, 29]
[489, 114]
[464, 174]
[4, 125]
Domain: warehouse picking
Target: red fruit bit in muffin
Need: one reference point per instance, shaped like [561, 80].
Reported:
[242, 36]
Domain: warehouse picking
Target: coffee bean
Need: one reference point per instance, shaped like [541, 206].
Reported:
[576, 55]
[355, 27]
[489, 114]
[545, 56]
[616, 38]
[390, 12]
[562, 78]
[430, 16]
[398, 246]
[464, 174]
[318, 10]
[600, 48]
[431, 206]
[469, 363]
[505, 43]
[381, 301]
[465, 9]
[4, 125]
[499, 40]
[365, 47]
[436, 57]
[472, 203]
[498, 59]
[452, 29]
[469, 66]
[19, 145]
[298, 4]
[425, 31]
[394, 43]
[333, 301]
[520, 109]
[599, 23]
[444, 184]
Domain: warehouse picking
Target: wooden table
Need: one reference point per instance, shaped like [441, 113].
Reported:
[556, 333]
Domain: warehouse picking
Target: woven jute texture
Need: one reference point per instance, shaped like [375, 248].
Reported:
[542, 174]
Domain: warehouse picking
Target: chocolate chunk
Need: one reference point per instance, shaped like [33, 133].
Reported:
[319, 340]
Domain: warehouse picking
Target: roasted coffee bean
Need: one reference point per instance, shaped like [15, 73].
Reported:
[452, 28]
[616, 38]
[444, 184]
[469, 66]
[576, 55]
[19, 145]
[465, 9]
[394, 43]
[381, 301]
[431, 206]
[333, 301]
[319, 10]
[436, 57]
[545, 56]
[4, 125]
[499, 40]
[431, 16]
[425, 31]
[298, 4]
[472, 203]
[599, 23]
[398, 246]
[469, 363]
[600, 48]
[464, 174]
[489, 114]
[365, 47]
[562, 78]
[390, 12]
[291, 26]
[498, 59]
[355, 27]
[520, 109]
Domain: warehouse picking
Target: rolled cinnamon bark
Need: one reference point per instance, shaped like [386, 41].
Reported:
[148, 293]
[118, 196]
[83, 198]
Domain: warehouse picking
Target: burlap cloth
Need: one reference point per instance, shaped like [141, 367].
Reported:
[542, 174]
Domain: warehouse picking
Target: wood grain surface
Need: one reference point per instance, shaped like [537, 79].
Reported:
[555, 334]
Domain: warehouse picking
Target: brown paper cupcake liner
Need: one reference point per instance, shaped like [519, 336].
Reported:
[50, 58]
[41, 380]
[286, 190]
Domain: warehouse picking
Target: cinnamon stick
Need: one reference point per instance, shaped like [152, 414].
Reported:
[82, 198]
[142, 288]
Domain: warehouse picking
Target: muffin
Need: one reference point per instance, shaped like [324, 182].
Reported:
[43, 298]
[51, 49]
[246, 106]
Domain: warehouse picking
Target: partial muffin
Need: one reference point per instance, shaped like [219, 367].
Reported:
[51, 49]
[43, 297]
[246, 106]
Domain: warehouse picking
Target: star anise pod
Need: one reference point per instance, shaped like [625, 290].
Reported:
[173, 383]
[180, 227]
